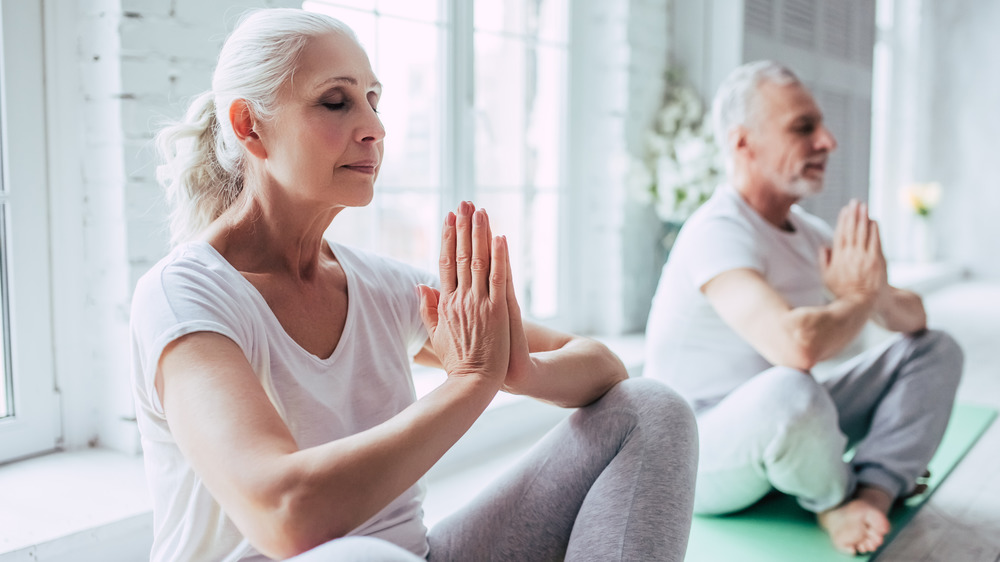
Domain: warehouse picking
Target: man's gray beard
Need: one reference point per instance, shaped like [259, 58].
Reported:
[802, 187]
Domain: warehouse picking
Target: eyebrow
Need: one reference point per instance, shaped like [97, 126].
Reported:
[807, 118]
[376, 85]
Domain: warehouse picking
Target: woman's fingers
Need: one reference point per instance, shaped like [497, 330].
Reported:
[429, 298]
[480, 264]
[463, 244]
[446, 264]
[498, 271]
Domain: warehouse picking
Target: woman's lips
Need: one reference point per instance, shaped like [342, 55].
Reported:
[364, 168]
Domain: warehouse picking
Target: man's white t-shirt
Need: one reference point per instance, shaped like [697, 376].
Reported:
[688, 345]
[363, 383]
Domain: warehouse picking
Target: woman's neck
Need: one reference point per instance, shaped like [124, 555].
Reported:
[262, 235]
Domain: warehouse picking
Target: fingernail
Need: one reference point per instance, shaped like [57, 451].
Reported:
[450, 219]
[477, 218]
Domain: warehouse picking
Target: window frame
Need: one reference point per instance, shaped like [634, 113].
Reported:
[34, 426]
[457, 150]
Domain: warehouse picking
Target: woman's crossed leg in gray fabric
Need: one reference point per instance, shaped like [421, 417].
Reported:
[614, 481]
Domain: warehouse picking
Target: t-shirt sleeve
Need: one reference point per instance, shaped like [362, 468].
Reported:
[171, 302]
[716, 245]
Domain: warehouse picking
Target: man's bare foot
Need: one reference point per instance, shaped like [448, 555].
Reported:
[859, 525]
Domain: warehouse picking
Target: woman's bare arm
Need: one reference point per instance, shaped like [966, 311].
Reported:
[286, 500]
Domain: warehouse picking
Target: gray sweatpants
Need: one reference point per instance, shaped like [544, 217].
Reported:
[614, 481]
[785, 430]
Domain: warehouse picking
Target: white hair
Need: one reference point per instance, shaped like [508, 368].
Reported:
[736, 98]
[203, 163]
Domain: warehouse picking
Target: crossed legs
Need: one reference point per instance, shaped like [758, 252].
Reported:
[613, 482]
[784, 430]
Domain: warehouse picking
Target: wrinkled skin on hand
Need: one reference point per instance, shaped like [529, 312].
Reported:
[468, 320]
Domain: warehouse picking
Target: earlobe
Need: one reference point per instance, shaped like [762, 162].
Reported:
[244, 124]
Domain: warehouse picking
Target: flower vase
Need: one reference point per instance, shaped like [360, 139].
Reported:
[924, 244]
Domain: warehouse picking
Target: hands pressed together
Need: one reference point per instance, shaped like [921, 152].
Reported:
[474, 321]
[855, 266]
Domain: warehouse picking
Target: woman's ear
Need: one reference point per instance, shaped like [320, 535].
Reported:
[244, 124]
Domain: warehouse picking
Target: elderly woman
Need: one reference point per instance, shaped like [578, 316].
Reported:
[271, 367]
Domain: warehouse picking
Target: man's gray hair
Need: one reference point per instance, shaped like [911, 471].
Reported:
[736, 96]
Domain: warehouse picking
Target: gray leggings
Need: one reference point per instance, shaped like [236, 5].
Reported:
[614, 481]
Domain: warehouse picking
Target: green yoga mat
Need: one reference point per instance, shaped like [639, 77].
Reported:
[776, 529]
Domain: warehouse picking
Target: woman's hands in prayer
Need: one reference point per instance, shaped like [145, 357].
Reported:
[469, 320]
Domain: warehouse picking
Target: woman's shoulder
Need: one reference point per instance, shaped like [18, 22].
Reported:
[191, 267]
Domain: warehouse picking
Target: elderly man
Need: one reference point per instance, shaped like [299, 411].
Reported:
[757, 291]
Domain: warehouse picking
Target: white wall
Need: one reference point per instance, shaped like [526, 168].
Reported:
[959, 145]
[116, 69]
[619, 56]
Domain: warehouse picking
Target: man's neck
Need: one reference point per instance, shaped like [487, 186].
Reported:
[769, 202]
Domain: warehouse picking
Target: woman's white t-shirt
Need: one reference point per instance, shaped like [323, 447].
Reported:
[363, 383]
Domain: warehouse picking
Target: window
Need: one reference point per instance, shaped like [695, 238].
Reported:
[28, 406]
[474, 109]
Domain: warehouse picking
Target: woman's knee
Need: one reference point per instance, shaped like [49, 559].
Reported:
[651, 399]
[660, 414]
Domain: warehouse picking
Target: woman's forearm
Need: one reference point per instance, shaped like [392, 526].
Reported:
[324, 492]
[574, 375]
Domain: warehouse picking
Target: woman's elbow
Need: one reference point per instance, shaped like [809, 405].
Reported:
[281, 537]
[289, 524]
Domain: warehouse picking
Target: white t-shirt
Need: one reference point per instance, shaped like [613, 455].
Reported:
[363, 383]
[688, 345]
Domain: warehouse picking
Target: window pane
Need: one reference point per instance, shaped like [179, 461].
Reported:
[500, 16]
[402, 224]
[411, 107]
[423, 10]
[544, 235]
[409, 229]
[541, 20]
[546, 117]
[320, 5]
[501, 100]
[529, 219]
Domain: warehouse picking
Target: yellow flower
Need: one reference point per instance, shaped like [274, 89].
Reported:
[922, 198]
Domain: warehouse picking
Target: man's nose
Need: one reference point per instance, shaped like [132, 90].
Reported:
[826, 140]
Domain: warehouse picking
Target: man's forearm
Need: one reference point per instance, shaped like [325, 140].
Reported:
[821, 332]
[899, 310]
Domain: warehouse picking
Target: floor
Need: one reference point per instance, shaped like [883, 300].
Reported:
[961, 521]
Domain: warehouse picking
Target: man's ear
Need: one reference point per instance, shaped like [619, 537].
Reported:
[739, 140]
[244, 123]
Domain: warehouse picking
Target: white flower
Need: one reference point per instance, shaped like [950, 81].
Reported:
[681, 160]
